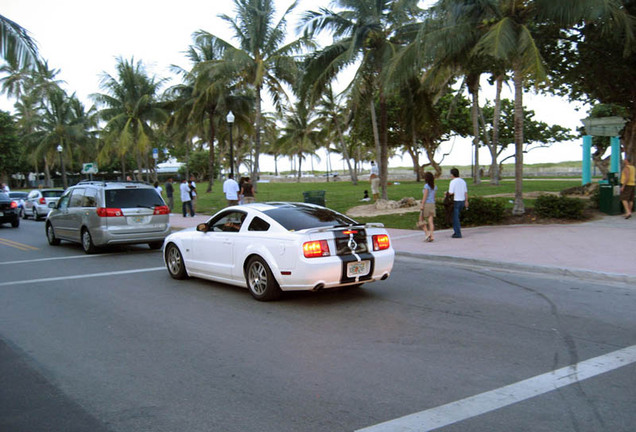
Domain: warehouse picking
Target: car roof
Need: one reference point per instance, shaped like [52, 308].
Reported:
[115, 184]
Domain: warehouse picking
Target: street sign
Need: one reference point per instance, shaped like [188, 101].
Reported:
[89, 168]
[155, 153]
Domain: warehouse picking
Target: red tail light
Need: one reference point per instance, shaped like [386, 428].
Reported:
[42, 200]
[161, 210]
[381, 242]
[315, 249]
[109, 212]
[14, 204]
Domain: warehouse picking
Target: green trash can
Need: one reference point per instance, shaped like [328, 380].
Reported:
[315, 197]
[609, 195]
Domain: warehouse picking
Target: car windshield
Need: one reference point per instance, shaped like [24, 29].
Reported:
[52, 193]
[299, 217]
[131, 198]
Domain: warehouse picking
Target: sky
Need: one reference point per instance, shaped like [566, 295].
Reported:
[83, 38]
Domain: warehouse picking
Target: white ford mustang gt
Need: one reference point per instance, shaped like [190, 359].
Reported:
[274, 247]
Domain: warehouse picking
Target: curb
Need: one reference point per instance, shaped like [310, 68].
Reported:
[526, 268]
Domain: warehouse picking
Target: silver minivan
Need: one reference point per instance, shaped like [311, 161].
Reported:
[97, 214]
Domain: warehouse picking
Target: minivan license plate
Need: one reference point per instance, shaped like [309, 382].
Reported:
[358, 268]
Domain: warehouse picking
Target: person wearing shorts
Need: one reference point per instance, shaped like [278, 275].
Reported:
[628, 181]
[427, 207]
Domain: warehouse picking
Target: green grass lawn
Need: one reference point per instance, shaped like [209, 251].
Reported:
[341, 195]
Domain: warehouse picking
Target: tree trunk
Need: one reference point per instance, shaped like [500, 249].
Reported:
[494, 166]
[345, 154]
[473, 88]
[384, 146]
[519, 207]
[257, 138]
[211, 157]
[47, 173]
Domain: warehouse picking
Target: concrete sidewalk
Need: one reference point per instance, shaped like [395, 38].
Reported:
[602, 250]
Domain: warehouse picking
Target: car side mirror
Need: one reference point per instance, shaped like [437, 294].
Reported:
[203, 227]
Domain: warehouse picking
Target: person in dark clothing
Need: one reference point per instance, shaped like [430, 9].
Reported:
[169, 193]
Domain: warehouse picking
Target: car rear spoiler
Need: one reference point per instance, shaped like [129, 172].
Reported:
[340, 227]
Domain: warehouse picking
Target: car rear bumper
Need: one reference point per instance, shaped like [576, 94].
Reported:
[330, 272]
[105, 236]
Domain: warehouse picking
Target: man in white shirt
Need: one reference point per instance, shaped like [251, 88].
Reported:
[186, 200]
[231, 190]
[459, 190]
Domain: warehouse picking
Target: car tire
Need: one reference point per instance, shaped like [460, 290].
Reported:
[36, 216]
[87, 242]
[260, 280]
[16, 222]
[50, 235]
[155, 245]
[174, 262]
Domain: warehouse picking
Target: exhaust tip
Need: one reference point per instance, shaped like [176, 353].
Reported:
[385, 276]
[318, 287]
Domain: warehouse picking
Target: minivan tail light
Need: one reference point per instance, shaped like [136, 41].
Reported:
[109, 212]
[316, 249]
[162, 210]
[42, 200]
[381, 242]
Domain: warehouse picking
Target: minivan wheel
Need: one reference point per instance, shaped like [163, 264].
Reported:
[50, 235]
[87, 242]
[174, 262]
[260, 281]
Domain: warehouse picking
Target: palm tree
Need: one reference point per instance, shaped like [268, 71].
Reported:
[262, 61]
[365, 33]
[332, 115]
[512, 35]
[301, 133]
[131, 110]
[16, 46]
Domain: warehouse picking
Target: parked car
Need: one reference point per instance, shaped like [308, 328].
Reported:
[19, 197]
[274, 247]
[9, 210]
[37, 202]
[97, 214]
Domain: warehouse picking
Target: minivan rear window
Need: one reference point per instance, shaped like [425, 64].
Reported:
[52, 193]
[298, 217]
[132, 198]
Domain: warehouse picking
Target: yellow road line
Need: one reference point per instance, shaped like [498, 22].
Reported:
[16, 245]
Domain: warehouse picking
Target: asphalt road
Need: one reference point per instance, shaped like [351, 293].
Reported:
[109, 342]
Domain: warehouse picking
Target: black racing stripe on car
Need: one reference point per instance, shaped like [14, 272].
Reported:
[351, 258]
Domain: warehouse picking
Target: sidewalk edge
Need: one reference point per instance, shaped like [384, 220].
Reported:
[528, 268]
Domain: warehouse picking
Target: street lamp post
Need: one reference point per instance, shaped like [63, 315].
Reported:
[59, 150]
[230, 121]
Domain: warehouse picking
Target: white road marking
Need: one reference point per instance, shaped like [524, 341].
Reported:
[85, 276]
[50, 259]
[473, 406]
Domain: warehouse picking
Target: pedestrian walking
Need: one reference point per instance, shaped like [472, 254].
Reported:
[628, 181]
[247, 191]
[169, 193]
[231, 190]
[186, 200]
[427, 207]
[459, 190]
[193, 192]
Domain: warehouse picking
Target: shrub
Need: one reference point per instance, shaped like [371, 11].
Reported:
[482, 211]
[559, 207]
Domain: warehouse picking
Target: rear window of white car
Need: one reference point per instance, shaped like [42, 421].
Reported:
[132, 198]
[52, 194]
[296, 218]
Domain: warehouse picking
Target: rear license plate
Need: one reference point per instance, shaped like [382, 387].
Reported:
[136, 220]
[358, 268]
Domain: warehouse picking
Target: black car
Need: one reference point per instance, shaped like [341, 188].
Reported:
[9, 212]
